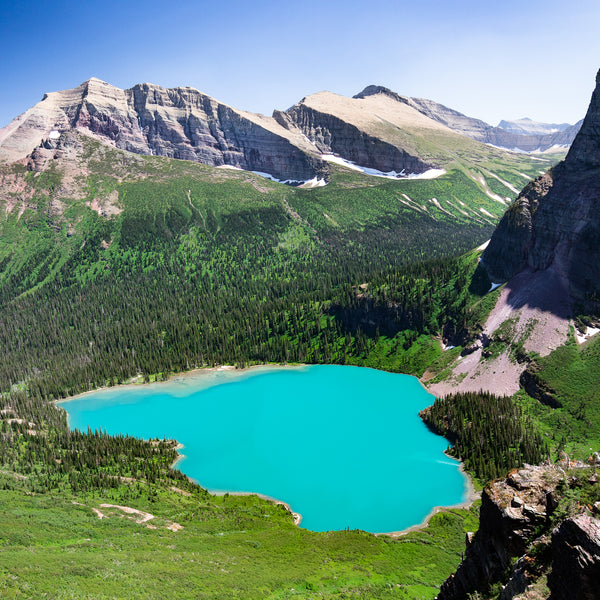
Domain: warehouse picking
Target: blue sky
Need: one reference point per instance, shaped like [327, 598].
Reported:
[489, 60]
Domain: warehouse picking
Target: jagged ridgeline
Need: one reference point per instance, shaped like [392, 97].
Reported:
[490, 434]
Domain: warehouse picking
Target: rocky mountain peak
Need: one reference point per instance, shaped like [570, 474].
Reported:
[585, 150]
[373, 90]
[554, 224]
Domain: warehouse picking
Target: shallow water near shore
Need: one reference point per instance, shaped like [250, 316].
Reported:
[343, 446]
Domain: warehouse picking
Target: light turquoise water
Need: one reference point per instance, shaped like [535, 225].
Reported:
[344, 446]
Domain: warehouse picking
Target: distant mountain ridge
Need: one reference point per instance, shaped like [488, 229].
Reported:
[525, 140]
[527, 126]
[377, 129]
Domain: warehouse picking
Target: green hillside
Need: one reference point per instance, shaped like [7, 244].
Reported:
[116, 267]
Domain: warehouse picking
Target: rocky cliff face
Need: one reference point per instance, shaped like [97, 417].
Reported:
[515, 543]
[555, 222]
[512, 511]
[334, 135]
[576, 559]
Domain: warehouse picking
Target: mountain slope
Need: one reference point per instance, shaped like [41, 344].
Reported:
[554, 224]
[527, 126]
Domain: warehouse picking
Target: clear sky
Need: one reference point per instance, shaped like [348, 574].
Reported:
[491, 60]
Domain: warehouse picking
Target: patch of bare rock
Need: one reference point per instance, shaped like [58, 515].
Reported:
[532, 314]
[139, 516]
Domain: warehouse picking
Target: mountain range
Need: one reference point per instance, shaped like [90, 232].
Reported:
[377, 129]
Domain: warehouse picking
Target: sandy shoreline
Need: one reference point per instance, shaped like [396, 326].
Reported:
[215, 372]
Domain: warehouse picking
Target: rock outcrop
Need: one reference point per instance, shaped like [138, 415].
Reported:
[512, 511]
[517, 545]
[575, 571]
[555, 221]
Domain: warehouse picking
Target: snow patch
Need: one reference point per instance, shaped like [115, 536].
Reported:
[314, 183]
[460, 210]
[485, 212]
[526, 176]
[286, 181]
[338, 160]
[587, 334]
[483, 246]
[54, 134]
[429, 174]
[494, 286]
[230, 167]
[436, 202]
[407, 198]
[555, 148]
[493, 196]
[309, 183]
[481, 179]
[515, 150]
[512, 188]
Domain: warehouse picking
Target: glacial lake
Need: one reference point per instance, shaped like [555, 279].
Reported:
[343, 446]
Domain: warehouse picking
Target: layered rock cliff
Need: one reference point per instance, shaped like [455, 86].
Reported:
[178, 123]
[527, 126]
[334, 135]
[376, 130]
[555, 221]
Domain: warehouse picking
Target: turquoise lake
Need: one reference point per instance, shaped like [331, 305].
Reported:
[343, 446]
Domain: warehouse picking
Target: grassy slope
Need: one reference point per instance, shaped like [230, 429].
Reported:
[228, 547]
[573, 373]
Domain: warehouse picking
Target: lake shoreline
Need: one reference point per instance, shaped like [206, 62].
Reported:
[207, 372]
[472, 495]
[136, 382]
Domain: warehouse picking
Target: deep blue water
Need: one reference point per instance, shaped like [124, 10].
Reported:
[344, 446]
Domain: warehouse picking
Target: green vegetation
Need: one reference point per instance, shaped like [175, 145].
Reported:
[490, 434]
[228, 547]
[147, 266]
[570, 379]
